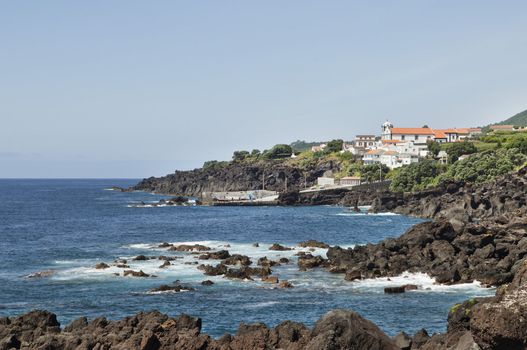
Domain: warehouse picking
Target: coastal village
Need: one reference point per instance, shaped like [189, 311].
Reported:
[398, 146]
[393, 148]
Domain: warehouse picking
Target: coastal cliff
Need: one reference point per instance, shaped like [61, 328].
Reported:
[238, 176]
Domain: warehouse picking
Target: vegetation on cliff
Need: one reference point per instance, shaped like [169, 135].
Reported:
[484, 159]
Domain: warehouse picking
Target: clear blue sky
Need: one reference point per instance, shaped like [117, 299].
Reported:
[140, 88]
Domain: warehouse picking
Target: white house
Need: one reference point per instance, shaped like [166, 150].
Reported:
[455, 135]
[365, 141]
[422, 135]
[443, 157]
[417, 135]
[389, 158]
[372, 156]
[406, 159]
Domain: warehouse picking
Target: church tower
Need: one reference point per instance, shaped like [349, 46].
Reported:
[387, 130]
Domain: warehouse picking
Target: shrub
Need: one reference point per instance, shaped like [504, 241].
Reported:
[334, 146]
[214, 164]
[240, 155]
[371, 172]
[519, 142]
[457, 149]
[433, 147]
[278, 151]
[415, 176]
[485, 166]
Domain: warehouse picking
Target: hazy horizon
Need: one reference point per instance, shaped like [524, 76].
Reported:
[132, 90]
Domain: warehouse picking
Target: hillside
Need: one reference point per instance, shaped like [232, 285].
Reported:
[519, 119]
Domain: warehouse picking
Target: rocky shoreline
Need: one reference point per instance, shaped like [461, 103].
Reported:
[485, 323]
[338, 329]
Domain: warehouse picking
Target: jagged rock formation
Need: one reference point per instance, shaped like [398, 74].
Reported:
[489, 254]
[462, 203]
[236, 177]
[499, 322]
[338, 329]
[479, 233]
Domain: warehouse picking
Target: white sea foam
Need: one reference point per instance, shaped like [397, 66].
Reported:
[424, 282]
[185, 269]
[260, 305]
[167, 292]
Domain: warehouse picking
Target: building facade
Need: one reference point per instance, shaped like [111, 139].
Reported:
[364, 141]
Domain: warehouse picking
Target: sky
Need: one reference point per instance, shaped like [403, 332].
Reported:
[132, 89]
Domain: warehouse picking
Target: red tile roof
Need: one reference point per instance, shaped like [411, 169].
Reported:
[439, 134]
[412, 131]
[456, 131]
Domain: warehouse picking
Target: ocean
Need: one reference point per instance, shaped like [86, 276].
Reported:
[66, 227]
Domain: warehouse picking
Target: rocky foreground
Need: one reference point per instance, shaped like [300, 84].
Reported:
[338, 329]
[499, 322]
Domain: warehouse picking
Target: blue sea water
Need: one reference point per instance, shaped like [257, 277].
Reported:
[68, 226]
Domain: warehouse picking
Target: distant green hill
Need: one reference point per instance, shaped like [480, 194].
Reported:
[519, 119]
[301, 146]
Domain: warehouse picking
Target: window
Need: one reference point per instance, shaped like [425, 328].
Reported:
[416, 137]
[402, 137]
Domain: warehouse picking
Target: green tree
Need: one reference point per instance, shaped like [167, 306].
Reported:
[519, 142]
[457, 149]
[433, 147]
[239, 156]
[371, 172]
[415, 176]
[278, 151]
[334, 146]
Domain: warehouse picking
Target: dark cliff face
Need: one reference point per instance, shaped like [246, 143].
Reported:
[462, 203]
[236, 177]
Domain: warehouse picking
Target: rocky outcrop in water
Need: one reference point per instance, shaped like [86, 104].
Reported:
[478, 233]
[483, 252]
[498, 322]
[338, 329]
